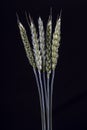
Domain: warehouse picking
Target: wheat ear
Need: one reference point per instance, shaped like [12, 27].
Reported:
[56, 43]
[36, 48]
[26, 44]
[48, 45]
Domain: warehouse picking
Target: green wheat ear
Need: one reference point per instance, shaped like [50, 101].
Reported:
[56, 43]
[26, 44]
[48, 45]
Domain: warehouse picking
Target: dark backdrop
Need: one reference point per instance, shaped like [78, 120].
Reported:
[20, 108]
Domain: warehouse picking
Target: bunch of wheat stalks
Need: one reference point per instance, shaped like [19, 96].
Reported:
[43, 58]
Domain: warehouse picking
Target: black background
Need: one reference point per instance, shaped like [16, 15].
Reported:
[19, 96]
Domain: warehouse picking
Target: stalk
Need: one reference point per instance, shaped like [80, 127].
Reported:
[51, 98]
[44, 82]
[48, 105]
[43, 103]
[45, 87]
[40, 97]
[45, 92]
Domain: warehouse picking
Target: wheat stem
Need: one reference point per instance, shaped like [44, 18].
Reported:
[51, 97]
[43, 103]
[40, 97]
[45, 88]
[48, 116]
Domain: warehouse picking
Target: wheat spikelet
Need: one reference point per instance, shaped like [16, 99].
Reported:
[42, 40]
[36, 47]
[56, 43]
[27, 46]
[48, 44]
